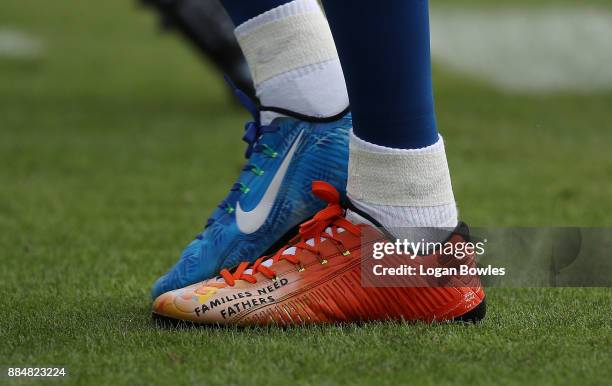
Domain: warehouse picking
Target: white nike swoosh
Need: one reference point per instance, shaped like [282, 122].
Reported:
[249, 222]
[274, 48]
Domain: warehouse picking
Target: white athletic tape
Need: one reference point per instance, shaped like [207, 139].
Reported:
[287, 44]
[399, 178]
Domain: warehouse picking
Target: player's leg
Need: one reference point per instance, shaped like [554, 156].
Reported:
[291, 54]
[299, 136]
[241, 11]
[398, 177]
[397, 170]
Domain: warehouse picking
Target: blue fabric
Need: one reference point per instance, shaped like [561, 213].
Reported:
[243, 10]
[322, 154]
[385, 56]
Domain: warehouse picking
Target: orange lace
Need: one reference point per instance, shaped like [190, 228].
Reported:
[331, 217]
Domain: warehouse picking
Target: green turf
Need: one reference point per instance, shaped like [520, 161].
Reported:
[117, 143]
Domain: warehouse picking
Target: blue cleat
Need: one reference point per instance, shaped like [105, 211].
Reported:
[271, 197]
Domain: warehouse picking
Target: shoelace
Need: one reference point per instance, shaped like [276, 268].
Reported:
[253, 133]
[327, 224]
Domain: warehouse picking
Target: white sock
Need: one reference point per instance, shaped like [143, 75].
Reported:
[293, 60]
[402, 187]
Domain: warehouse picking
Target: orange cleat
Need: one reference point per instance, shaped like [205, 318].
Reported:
[317, 278]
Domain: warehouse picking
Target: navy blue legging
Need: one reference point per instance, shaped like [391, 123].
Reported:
[243, 10]
[385, 55]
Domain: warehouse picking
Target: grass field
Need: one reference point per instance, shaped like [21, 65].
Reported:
[116, 143]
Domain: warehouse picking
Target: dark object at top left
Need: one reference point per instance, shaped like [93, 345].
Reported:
[206, 25]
